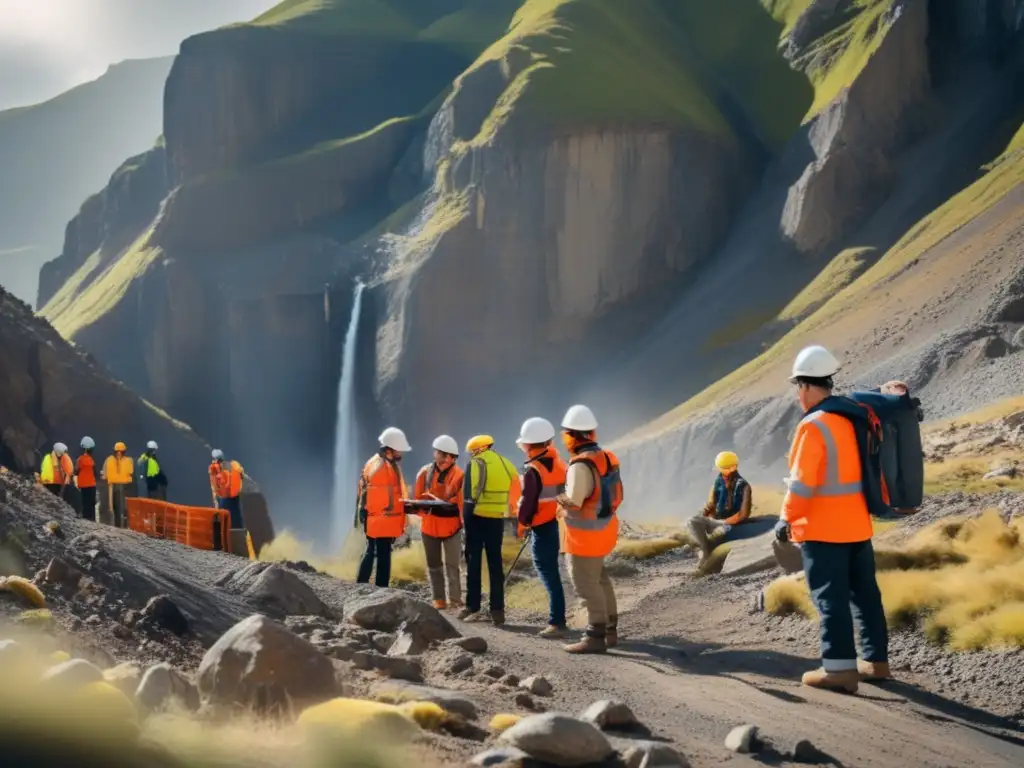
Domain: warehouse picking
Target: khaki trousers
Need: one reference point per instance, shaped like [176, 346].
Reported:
[443, 557]
[593, 585]
[702, 529]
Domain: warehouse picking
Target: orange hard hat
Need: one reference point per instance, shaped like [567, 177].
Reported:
[121, 447]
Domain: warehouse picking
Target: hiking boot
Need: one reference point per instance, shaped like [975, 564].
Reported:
[553, 631]
[467, 614]
[841, 682]
[873, 671]
[611, 635]
[456, 605]
[440, 605]
[498, 618]
[592, 642]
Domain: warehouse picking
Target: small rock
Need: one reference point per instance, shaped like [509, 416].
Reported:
[386, 610]
[525, 700]
[653, 754]
[471, 643]
[996, 474]
[362, 659]
[62, 573]
[408, 642]
[399, 693]
[125, 677]
[275, 589]
[742, 739]
[495, 672]
[502, 757]
[53, 528]
[161, 686]
[510, 680]
[259, 651]
[558, 739]
[538, 685]
[461, 664]
[320, 636]
[399, 668]
[93, 620]
[75, 672]
[805, 752]
[381, 641]
[162, 612]
[609, 714]
[131, 618]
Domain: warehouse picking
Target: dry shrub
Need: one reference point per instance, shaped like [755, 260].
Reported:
[644, 549]
[961, 580]
[286, 546]
[527, 595]
[787, 596]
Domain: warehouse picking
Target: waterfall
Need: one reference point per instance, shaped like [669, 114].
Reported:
[346, 440]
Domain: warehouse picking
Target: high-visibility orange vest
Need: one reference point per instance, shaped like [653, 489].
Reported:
[552, 484]
[56, 470]
[587, 533]
[86, 471]
[380, 494]
[227, 479]
[446, 486]
[825, 499]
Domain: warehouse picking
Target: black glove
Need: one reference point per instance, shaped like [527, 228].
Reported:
[782, 530]
[363, 514]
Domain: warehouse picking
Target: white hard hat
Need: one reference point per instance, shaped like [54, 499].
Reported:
[151, 445]
[446, 444]
[217, 454]
[535, 431]
[815, 362]
[60, 449]
[579, 418]
[87, 443]
[394, 438]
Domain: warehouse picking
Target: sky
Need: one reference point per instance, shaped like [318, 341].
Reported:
[49, 46]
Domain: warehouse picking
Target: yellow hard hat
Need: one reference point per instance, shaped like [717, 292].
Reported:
[478, 442]
[727, 460]
[120, 447]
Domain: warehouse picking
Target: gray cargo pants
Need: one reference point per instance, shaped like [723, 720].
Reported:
[443, 557]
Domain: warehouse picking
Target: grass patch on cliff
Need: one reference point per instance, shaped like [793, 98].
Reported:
[965, 473]
[961, 581]
[850, 264]
[996, 181]
[96, 288]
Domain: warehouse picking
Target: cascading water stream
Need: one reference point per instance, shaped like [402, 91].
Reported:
[346, 459]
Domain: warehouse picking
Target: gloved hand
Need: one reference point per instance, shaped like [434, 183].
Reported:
[362, 516]
[521, 531]
[782, 530]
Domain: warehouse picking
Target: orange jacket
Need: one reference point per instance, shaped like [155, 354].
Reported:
[380, 493]
[86, 471]
[226, 479]
[587, 534]
[447, 486]
[119, 471]
[552, 484]
[825, 501]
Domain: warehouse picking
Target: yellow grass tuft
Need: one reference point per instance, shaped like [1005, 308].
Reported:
[24, 589]
[645, 549]
[787, 596]
[426, 714]
[527, 595]
[966, 473]
[503, 721]
[961, 580]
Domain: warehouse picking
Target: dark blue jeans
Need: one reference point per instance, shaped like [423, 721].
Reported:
[544, 549]
[233, 506]
[841, 577]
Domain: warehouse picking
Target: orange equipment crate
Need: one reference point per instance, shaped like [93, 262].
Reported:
[197, 527]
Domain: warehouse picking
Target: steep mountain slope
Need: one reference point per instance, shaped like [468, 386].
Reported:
[51, 392]
[552, 200]
[54, 154]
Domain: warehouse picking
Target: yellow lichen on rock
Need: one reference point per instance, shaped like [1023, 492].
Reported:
[24, 589]
[503, 721]
[339, 716]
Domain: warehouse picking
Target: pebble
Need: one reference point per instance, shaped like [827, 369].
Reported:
[538, 685]
[742, 739]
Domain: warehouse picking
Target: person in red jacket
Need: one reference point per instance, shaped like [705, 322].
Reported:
[380, 505]
[85, 476]
[827, 510]
[441, 481]
[543, 480]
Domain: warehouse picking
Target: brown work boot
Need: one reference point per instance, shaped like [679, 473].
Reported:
[456, 605]
[440, 605]
[611, 635]
[498, 618]
[553, 631]
[841, 682]
[873, 671]
[592, 642]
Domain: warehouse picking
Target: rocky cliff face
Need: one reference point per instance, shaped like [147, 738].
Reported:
[50, 392]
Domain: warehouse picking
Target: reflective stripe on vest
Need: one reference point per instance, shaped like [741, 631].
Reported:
[552, 484]
[831, 486]
[493, 488]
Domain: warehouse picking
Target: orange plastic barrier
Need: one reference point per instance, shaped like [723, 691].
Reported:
[197, 527]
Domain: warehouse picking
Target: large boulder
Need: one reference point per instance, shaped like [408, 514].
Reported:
[275, 589]
[74, 672]
[259, 654]
[558, 739]
[386, 610]
[125, 677]
[163, 685]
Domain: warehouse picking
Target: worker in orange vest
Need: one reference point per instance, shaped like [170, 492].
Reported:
[593, 493]
[119, 472]
[226, 484]
[381, 510]
[827, 510]
[441, 481]
[85, 476]
[56, 470]
[543, 479]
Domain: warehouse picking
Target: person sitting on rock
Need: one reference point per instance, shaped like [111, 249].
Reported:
[728, 505]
